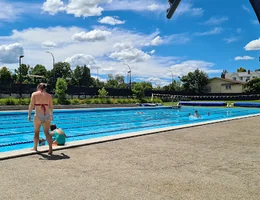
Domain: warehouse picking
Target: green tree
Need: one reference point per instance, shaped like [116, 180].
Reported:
[102, 92]
[174, 86]
[39, 70]
[96, 83]
[22, 72]
[253, 86]
[5, 76]
[241, 69]
[116, 81]
[81, 76]
[195, 81]
[60, 91]
[38, 74]
[60, 70]
[140, 88]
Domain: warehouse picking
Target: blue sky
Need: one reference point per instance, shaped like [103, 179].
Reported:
[209, 35]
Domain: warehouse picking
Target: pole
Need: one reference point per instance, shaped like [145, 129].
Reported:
[130, 73]
[172, 75]
[20, 72]
[53, 63]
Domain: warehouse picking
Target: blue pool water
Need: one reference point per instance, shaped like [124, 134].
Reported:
[17, 133]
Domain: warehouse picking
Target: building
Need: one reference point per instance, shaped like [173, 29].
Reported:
[243, 76]
[221, 85]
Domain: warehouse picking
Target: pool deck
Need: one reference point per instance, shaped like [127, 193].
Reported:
[215, 161]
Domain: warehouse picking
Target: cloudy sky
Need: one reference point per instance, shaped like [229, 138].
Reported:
[209, 35]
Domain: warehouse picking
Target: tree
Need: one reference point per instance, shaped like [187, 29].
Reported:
[5, 76]
[102, 92]
[60, 70]
[253, 86]
[116, 81]
[39, 70]
[174, 86]
[140, 88]
[195, 81]
[22, 72]
[223, 74]
[60, 91]
[241, 69]
[38, 74]
[81, 76]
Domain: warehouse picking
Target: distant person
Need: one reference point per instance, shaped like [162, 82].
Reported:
[58, 134]
[43, 104]
[208, 113]
[196, 114]
[189, 115]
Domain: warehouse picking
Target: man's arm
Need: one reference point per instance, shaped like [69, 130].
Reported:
[31, 106]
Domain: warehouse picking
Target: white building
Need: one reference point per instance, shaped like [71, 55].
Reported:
[242, 76]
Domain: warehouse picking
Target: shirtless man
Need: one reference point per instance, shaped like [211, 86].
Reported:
[42, 102]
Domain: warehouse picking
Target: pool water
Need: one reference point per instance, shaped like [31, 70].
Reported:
[17, 133]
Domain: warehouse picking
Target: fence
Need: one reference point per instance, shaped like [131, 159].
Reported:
[26, 89]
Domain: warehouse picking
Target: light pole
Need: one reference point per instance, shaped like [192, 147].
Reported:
[172, 75]
[53, 59]
[130, 72]
[20, 72]
[20, 66]
[97, 68]
[53, 63]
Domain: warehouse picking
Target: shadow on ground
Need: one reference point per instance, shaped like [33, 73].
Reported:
[62, 156]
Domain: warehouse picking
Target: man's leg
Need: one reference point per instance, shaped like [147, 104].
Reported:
[37, 126]
[46, 128]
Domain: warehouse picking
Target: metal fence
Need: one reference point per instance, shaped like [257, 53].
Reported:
[25, 90]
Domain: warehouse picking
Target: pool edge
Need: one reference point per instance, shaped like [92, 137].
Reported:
[27, 152]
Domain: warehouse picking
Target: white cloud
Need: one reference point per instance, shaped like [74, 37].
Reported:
[10, 53]
[156, 41]
[244, 58]
[214, 31]
[231, 39]
[80, 59]
[239, 30]
[79, 8]
[188, 8]
[49, 44]
[152, 52]
[215, 21]
[129, 47]
[156, 81]
[128, 53]
[246, 9]
[253, 45]
[255, 22]
[12, 11]
[153, 7]
[150, 5]
[92, 36]
[110, 20]
[185, 67]
[53, 6]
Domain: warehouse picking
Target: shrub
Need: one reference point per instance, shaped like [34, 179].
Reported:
[60, 91]
[102, 93]
[75, 101]
[25, 101]
[96, 101]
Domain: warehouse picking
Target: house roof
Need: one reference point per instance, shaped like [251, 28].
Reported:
[243, 74]
[229, 80]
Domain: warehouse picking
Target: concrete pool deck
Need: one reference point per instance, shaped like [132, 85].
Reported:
[216, 161]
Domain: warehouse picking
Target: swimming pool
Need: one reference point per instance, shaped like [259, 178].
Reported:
[16, 132]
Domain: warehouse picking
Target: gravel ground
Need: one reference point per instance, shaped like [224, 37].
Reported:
[218, 161]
